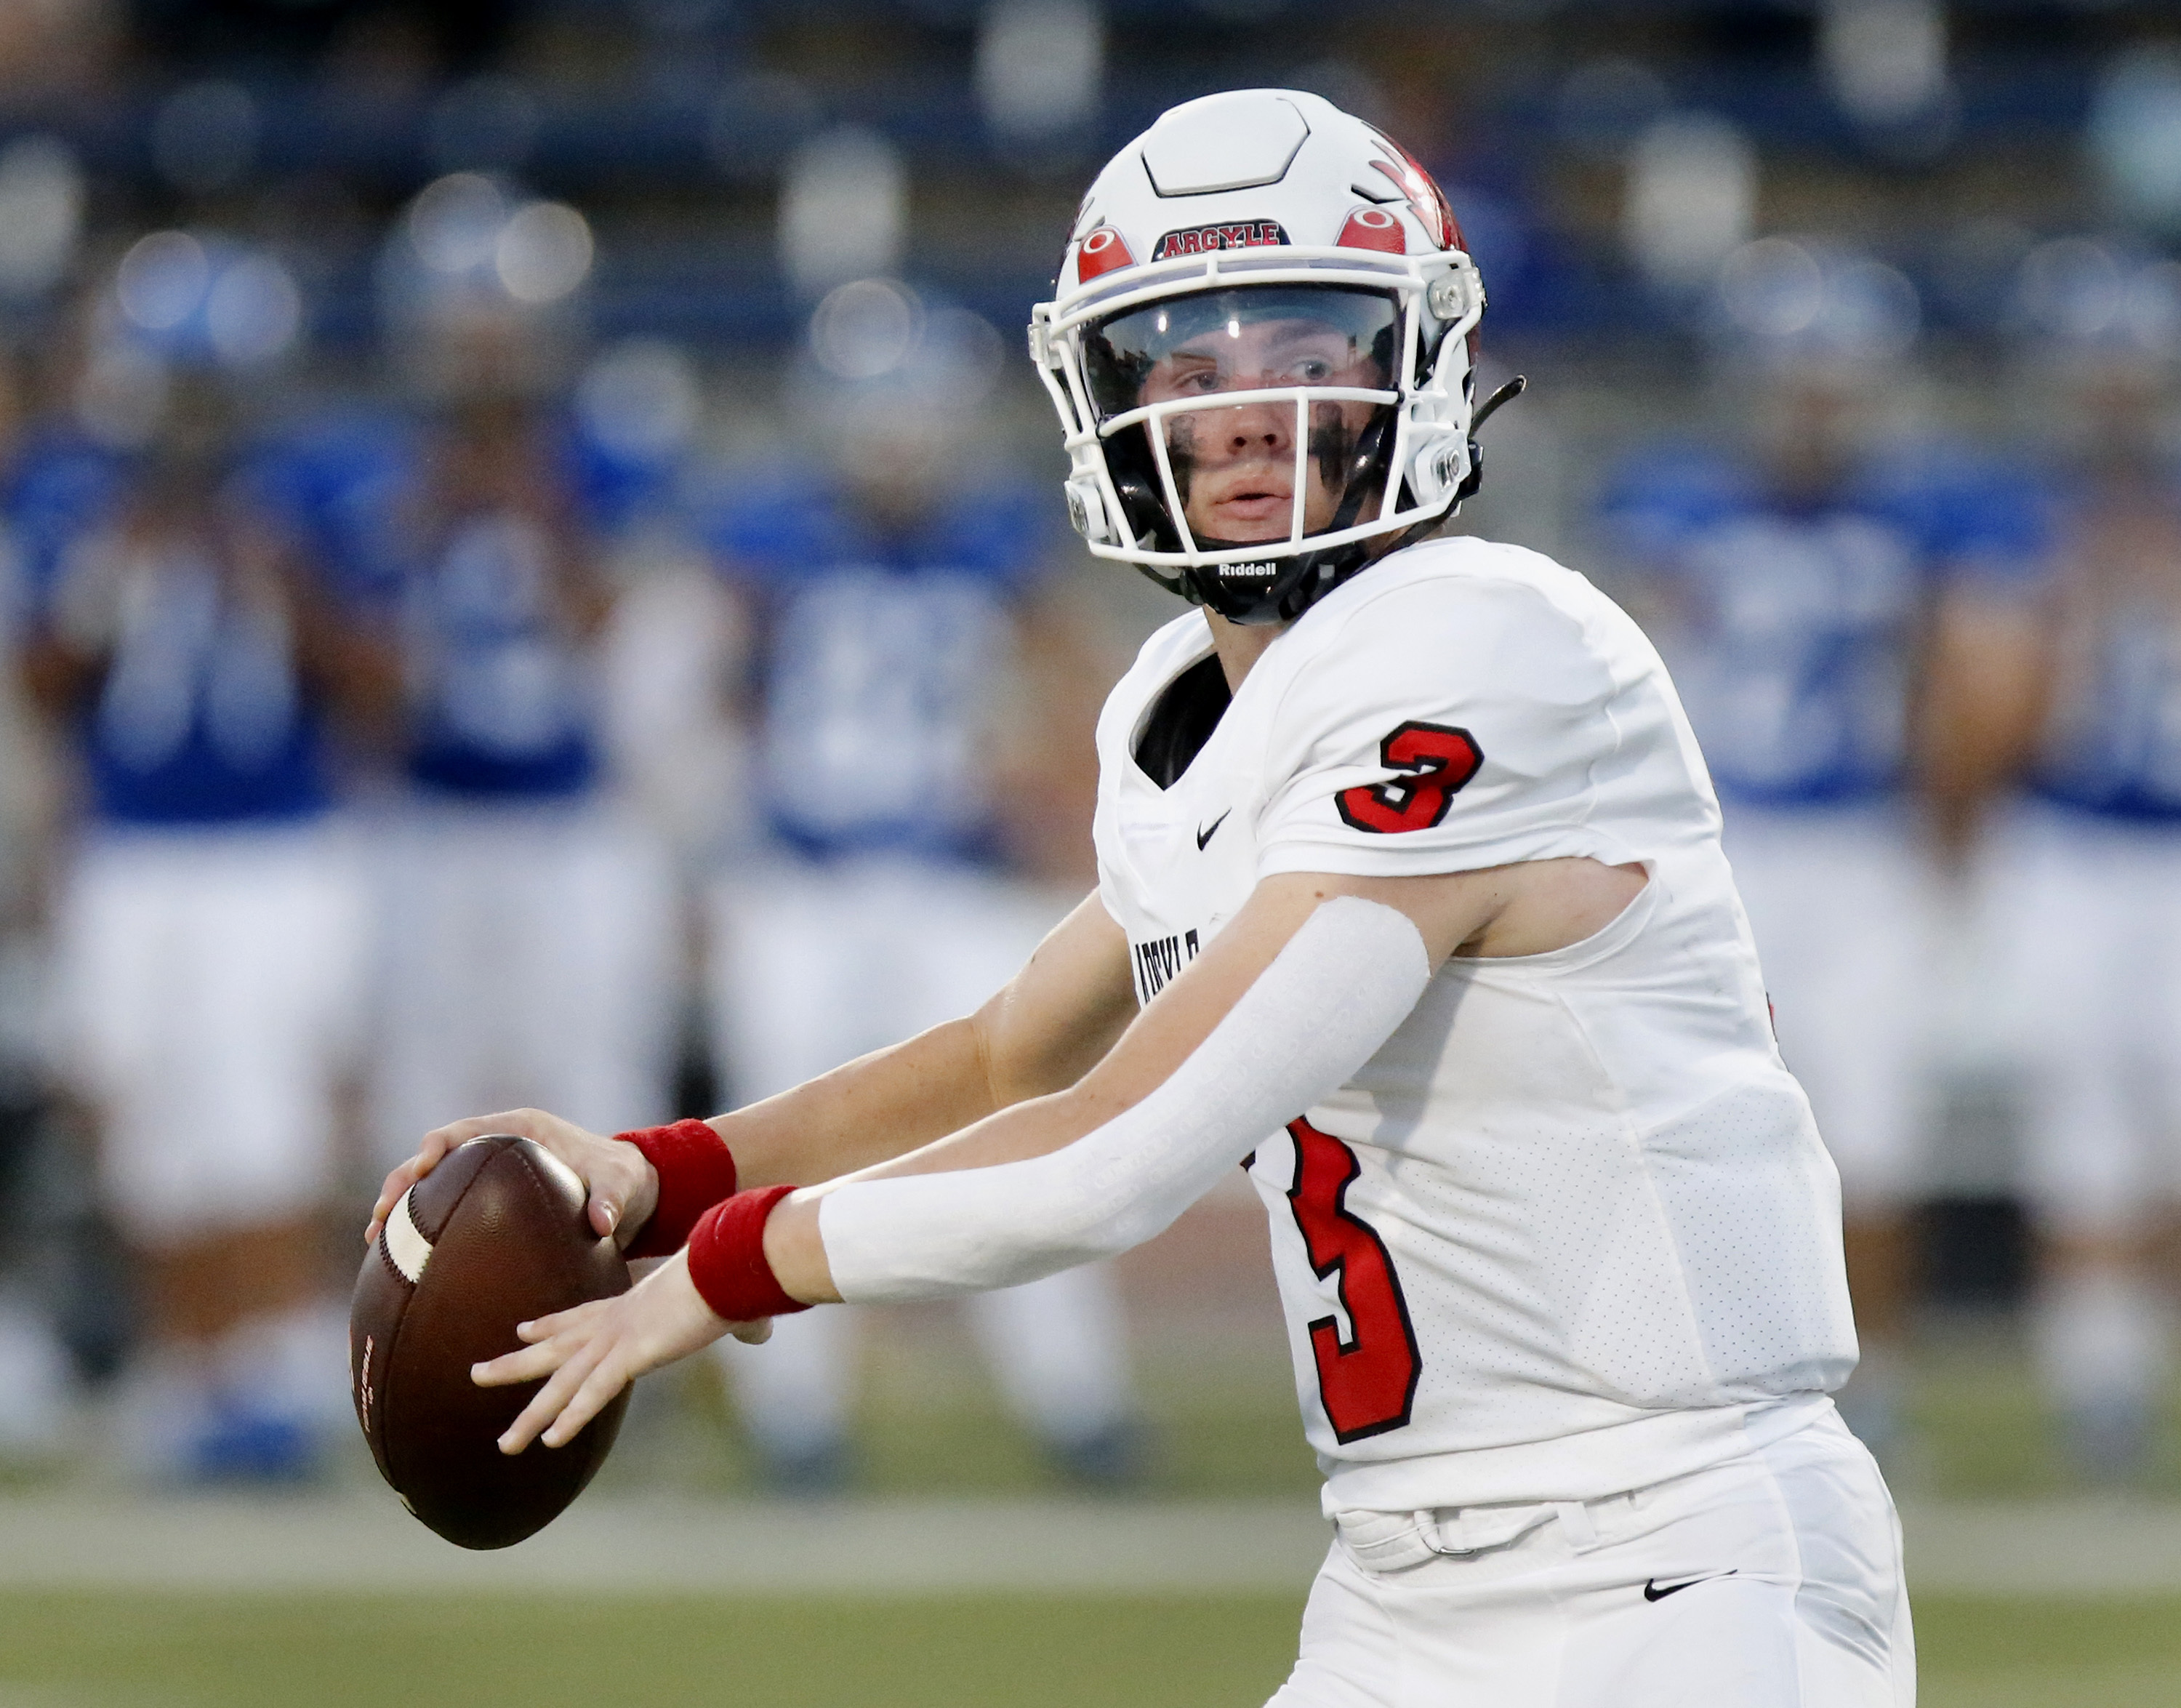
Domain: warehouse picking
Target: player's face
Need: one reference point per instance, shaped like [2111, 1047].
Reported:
[1234, 462]
[1812, 424]
[1240, 460]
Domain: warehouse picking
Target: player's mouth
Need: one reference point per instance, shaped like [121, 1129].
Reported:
[1251, 508]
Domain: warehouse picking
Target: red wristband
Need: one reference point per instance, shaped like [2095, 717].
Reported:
[726, 1259]
[696, 1170]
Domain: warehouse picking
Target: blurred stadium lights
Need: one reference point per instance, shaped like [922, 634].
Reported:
[866, 328]
[2086, 293]
[2134, 136]
[1885, 60]
[1040, 66]
[253, 311]
[455, 222]
[42, 210]
[1691, 198]
[1784, 299]
[162, 280]
[471, 246]
[843, 209]
[543, 252]
[205, 135]
[198, 299]
[834, 111]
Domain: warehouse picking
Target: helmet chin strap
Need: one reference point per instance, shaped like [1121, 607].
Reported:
[1506, 393]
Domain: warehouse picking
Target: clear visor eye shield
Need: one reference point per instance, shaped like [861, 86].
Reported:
[1287, 407]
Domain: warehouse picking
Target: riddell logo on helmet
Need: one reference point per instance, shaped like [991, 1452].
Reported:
[1258, 567]
[1199, 240]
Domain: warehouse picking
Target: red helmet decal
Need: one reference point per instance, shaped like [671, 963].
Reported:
[1234, 234]
[1374, 228]
[1102, 251]
[1425, 196]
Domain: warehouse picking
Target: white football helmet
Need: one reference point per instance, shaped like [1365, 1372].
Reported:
[1261, 345]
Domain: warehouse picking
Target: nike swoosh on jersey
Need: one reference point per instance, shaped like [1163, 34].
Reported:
[1206, 835]
[1655, 1591]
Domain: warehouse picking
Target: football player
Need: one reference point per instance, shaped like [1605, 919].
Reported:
[1850, 620]
[530, 913]
[1412, 903]
[2096, 859]
[209, 937]
[891, 608]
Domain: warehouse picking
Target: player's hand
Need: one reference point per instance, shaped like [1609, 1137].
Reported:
[624, 1187]
[594, 1352]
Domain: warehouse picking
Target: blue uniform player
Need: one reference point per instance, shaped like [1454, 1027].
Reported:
[908, 774]
[1835, 618]
[210, 936]
[2097, 863]
[527, 916]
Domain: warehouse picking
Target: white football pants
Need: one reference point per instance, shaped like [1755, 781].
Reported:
[1772, 1581]
[2094, 905]
[209, 993]
[812, 967]
[529, 962]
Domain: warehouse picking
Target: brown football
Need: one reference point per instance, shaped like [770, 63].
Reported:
[494, 1235]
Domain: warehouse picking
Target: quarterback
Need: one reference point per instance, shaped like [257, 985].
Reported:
[1412, 903]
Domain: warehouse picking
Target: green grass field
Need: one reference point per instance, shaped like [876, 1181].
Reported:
[151, 1651]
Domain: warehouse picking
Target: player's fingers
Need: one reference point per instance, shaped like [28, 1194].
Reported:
[441, 1140]
[524, 1364]
[389, 1194]
[607, 1379]
[431, 1151]
[549, 1400]
[751, 1334]
[616, 1174]
[572, 1320]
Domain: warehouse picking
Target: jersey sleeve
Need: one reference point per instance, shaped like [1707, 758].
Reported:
[1449, 727]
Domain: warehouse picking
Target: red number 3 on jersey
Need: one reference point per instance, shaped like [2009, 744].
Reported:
[1441, 760]
[1368, 1380]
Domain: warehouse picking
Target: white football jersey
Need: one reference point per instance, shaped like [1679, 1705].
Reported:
[1571, 1229]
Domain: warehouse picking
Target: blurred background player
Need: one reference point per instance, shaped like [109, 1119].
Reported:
[1843, 610]
[922, 710]
[528, 911]
[34, 1367]
[2096, 871]
[210, 927]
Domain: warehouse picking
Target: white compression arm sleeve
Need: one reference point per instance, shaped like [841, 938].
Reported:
[1331, 996]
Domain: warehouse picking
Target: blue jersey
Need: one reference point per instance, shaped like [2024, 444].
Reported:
[62, 487]
[500, 700]
[2113, 744]
[880, 660]
[1794, 627]
[343, 482]
[499, 703]
[199, 716]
